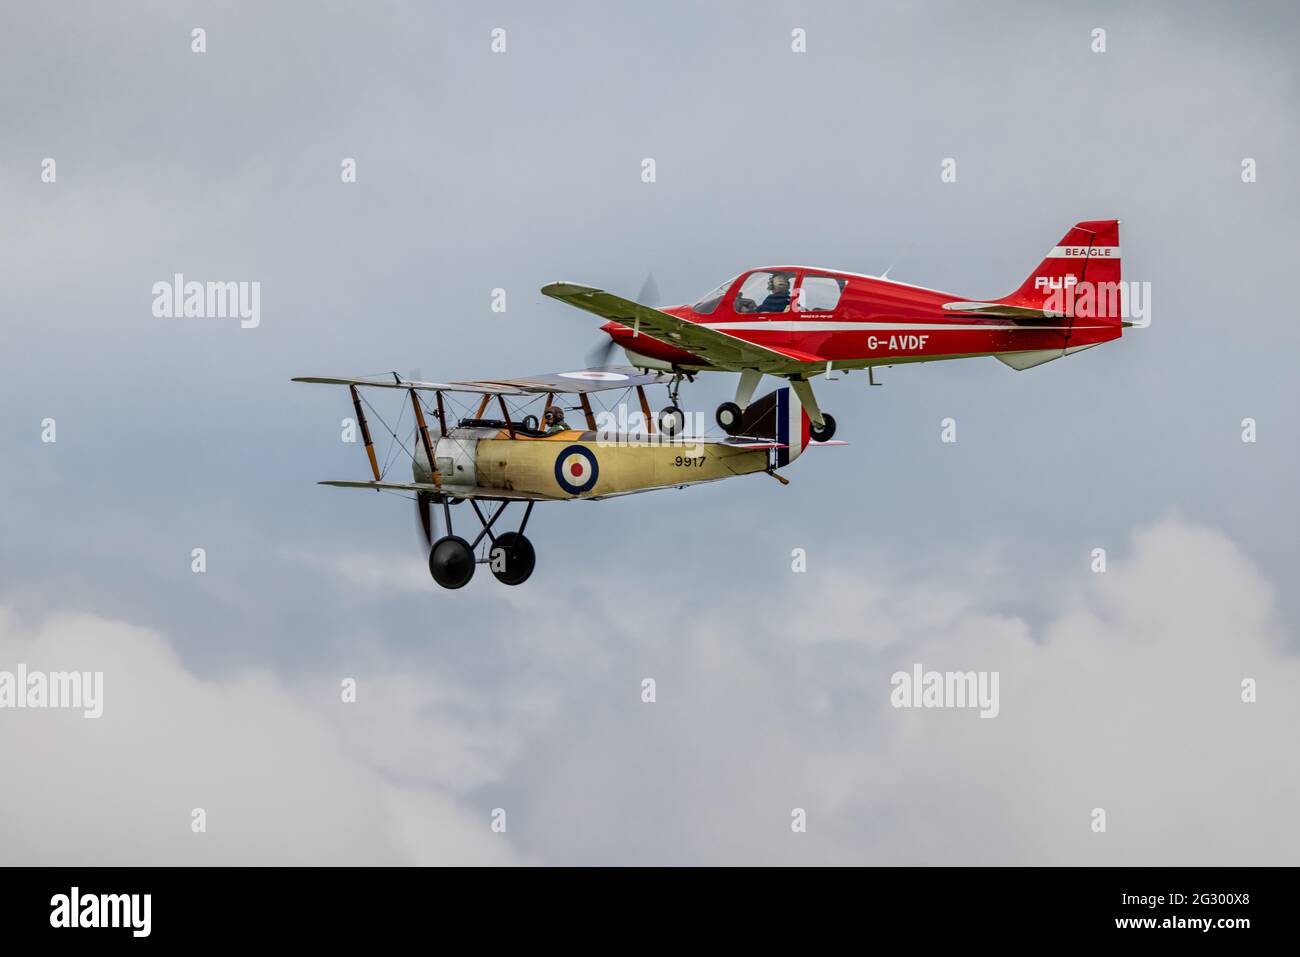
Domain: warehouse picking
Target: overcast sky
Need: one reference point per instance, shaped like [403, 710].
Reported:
[478, 170]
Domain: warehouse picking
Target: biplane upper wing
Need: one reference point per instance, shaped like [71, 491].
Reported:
[718, 347]
[579, 381]
[398, 383]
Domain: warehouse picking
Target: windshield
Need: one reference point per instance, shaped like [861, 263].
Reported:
[710, 302]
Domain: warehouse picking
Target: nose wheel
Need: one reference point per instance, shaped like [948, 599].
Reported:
[672, 420]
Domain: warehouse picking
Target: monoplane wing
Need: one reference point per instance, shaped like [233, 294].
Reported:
[717, 347]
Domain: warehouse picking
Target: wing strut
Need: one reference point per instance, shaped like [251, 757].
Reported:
[442, 414]
[645, 410]
[365, 431]
[424, 437]
[505, 414]
[586, 410]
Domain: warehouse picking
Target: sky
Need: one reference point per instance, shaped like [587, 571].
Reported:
[478, 171]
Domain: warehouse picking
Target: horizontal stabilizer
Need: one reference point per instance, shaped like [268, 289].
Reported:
[1027, 360]
[998, 309]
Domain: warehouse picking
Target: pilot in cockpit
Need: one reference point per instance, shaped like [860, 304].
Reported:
[553, 419]
[778, 294]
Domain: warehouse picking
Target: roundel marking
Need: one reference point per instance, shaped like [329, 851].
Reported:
[576, 469]
[594, 375]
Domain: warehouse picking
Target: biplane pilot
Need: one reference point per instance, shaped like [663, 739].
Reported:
[554, 420]
[778, 294]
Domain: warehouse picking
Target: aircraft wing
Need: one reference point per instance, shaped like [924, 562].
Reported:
[718, 347]
[581, 380]
[396, 382]
[451, 491]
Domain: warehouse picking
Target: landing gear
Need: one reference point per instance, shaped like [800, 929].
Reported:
[672, 420]
[451, 562]
[729, 415]
[821, 426]
[826, 432]
[510, 556]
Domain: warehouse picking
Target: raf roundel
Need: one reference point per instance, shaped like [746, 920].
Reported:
[576, 469]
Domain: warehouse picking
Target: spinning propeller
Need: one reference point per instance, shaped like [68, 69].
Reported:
[429, 522]
[599, 356]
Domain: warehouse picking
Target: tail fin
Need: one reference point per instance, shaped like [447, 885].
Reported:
[1089, 252]
[778, 416]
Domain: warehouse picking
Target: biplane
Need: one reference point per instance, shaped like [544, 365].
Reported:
[499, 453]
[798, 322]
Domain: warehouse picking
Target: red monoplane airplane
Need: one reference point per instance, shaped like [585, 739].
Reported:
[798, 322]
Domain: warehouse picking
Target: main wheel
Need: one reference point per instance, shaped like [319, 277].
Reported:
[728, 416]
[671, 420]
[512, 558]
[825, 433]
[451, 562]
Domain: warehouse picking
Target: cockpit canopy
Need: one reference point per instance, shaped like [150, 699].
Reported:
[769, 291]
[765, 291]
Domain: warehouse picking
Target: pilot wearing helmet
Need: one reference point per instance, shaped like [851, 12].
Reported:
[554, 420]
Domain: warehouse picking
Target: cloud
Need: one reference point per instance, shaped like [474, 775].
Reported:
[1126, 696]
[280, 780]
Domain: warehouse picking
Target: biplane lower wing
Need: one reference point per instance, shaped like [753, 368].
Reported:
[451, 491]
[719, 348]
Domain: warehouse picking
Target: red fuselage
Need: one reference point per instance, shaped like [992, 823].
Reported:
[872, 321]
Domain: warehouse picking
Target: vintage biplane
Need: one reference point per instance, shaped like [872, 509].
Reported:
[798, 322]
[498, 453]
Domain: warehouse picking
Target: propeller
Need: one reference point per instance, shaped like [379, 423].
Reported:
[649, 294]
[600, 355]
[428, 521]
